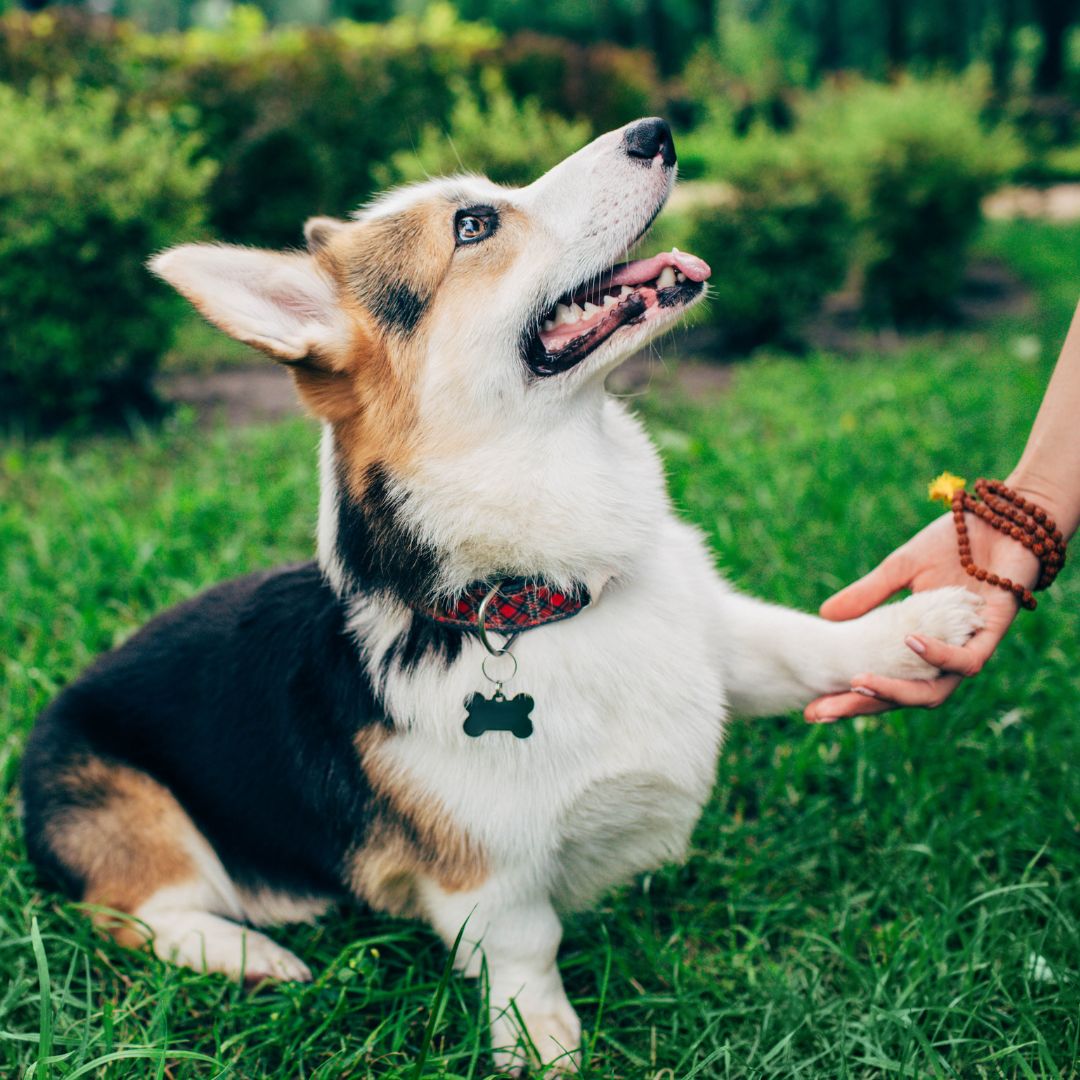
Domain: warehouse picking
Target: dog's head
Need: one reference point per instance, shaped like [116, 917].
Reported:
[459, 286]
[447, 312]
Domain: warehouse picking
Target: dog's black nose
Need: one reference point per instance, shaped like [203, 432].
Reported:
[647, 138]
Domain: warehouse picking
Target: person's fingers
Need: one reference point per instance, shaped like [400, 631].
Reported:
[868, 592]
[966, 660]
[833, 707]
[920, 693]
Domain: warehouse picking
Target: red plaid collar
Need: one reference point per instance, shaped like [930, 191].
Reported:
[520, 604]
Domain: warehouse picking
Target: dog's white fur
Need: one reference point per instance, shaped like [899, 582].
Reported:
[556, 479]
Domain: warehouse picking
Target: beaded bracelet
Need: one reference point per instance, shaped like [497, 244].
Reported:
[1012, 515]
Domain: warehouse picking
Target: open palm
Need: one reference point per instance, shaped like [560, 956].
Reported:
[929, 560]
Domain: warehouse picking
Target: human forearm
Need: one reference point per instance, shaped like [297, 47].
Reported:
[1048, 472]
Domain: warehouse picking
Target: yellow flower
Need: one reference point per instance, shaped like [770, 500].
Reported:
[945, 486]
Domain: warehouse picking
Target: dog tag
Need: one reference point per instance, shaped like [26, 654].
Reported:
[499, 713]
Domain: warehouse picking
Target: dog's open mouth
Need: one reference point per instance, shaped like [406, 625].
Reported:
[584, 318]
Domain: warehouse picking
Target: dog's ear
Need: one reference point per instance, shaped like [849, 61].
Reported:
[280, 302]
[319, 231]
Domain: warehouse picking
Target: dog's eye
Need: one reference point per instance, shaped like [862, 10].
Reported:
[470, 228]
[473, 225]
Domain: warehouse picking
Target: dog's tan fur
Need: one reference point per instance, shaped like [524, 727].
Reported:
[126, 839]
[411, 837]
[367, 388]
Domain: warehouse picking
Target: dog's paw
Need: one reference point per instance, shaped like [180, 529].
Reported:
[265, 960]
[553, 1039]
[205, 942]
[950, 615]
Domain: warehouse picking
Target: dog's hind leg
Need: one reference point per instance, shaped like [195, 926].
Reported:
[126, 847]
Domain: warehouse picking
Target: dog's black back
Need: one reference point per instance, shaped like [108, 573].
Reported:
[244, 702]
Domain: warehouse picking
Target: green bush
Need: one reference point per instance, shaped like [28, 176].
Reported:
[85, 196]
[509, 142]
[65, 43]
[296, 117]
[883, 179]
[916, 160]
[1049, 127]
[774, 225]
[745, 94]
[776, 249]
[606, 84]
[300, 118]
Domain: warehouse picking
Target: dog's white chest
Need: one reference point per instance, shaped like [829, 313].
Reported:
[627, 725]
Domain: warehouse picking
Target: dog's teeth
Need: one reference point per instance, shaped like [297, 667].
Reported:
[666, 278]
[575, 313]
[549, 324]
[680, 276]
[610, 301]
[590, 309]
[625, 291]
[563, 316]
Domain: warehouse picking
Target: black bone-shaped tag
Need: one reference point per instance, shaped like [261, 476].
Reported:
[499, 713]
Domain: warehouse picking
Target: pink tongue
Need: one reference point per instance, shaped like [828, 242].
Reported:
[634, 273]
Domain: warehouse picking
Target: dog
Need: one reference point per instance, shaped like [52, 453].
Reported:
[489, 518]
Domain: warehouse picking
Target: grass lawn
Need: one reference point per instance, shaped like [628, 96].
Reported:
[895, 897]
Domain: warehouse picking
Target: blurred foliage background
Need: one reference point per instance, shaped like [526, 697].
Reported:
[894, 898]
[827, 144]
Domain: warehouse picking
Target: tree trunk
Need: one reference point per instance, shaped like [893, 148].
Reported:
[1003, 53]
[896, 35]
[1054, 18]
[830, 53]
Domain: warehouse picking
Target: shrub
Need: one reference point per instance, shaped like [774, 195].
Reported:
[886, 179]
[299, 118]
[606, 84]
[296, 117]
[509, 142]
[916, 161]
[777, 247]
[85, 196]
[1049, 127]
[777, 232]
[65, 43]
[747, 95]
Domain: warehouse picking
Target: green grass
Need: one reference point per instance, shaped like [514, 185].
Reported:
[867, 900]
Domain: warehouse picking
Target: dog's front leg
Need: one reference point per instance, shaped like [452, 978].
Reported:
[514, 933]
[777, 659]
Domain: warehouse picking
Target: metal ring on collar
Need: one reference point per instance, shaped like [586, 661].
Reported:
[481, 628]
[499, 656]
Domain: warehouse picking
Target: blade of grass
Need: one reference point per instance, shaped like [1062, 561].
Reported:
[45, 1016]
[438, 1004]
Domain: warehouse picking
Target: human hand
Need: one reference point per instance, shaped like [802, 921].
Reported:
[929, 560]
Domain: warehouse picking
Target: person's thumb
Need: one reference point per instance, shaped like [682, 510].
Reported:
[865, 594]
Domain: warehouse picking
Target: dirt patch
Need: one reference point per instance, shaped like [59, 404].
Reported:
[238, 396]
[992, 291]
[1059, 202]
[1056, 202]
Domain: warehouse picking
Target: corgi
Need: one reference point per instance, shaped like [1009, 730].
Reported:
[502, 686]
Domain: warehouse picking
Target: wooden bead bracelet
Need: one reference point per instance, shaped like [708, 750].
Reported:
[1012, 515]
